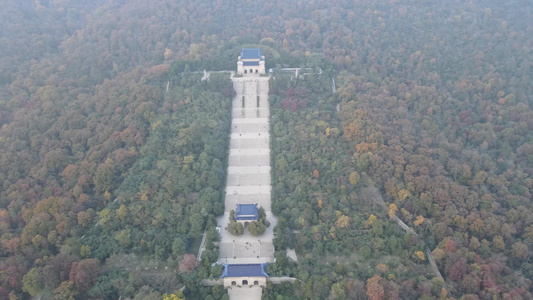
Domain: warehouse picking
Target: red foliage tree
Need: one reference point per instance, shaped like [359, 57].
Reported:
[188, 263]
[84, 274]
[458, 270]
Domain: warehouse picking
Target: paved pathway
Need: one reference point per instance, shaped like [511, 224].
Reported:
[248, 178]
[245, 293]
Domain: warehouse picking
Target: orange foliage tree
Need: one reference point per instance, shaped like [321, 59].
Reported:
[374, 290]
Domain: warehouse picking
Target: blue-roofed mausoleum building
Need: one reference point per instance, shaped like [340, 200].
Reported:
[244, 275]
[246, 213]
[251, 62]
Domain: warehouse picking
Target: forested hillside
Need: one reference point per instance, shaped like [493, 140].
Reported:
[107, 175]
[431, 124]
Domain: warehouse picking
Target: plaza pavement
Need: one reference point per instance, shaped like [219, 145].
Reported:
[248, 179]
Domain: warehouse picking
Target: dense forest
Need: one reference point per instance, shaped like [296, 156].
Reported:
[113, 152]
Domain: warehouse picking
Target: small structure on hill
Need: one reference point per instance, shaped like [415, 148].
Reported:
[251, 61]
[244, 275]
[246, 213]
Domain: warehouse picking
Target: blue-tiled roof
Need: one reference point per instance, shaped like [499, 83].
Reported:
[244, 270]
[250, 63]
[251, 53]
[247, 212]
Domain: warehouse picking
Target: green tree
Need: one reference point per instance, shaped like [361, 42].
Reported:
[338, 291]
[124, 237]
[179, 246]
[235, 228]
[85, 251]
[31, 282]
[103, 178]
[377, 227]
[256, 228]
[197, 224]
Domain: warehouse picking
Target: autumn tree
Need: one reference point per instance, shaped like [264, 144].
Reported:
[168, 53]
[420, 255]
[188, 263]
[84, 274]
[177, 295]
[392, 210]
[458, 270]
[66, 291]
[354, 178]
[419, 220]
[374, 290]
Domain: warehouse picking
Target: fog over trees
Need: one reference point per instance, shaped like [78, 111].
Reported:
[113, 151]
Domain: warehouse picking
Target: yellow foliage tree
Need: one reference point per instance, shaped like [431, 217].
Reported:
[105, 215]
[320, 203]
[159, 70]
[178, 295]
[107, 195]
[301, 221]
[354, 178]
[498, 242]
[382, 267]
[460, 222]
[196, 51]
[370, 221]
[144, 197]
[343, 222]
[366, 147]
[267, 41]
[168, 53]
[332, 233]
[443, 294]
[477, 225]
[438, 254]
[122, 212]
[188, 159]
[353, 132]
[392, 210]
[420, 255]
[419, 220]
[403, 194]
[406, 214]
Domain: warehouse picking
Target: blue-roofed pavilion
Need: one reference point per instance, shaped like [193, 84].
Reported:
[251, 62]
[239, 275]
[251, 53]
[244, 270]
[246, 212]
